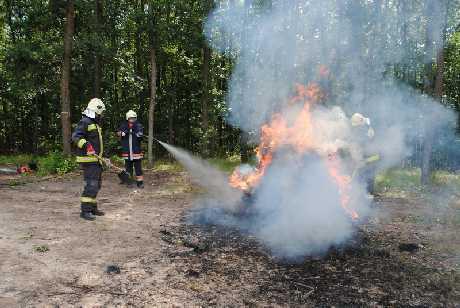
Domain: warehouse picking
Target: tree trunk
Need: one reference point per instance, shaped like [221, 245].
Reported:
[205, 100]
[97, 51]
[244, 147]
[153, 91]
[153, 86]
[244, 136]
[139, 67]
[205, 74]
[433, 84]
[171, 121]
[65, 78]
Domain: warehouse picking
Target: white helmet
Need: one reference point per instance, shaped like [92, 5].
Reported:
[359, 120]
[130, 114]
[96, 105]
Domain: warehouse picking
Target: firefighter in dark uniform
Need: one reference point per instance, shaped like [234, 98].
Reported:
[131, 133]
[363, 134]
[88, 139]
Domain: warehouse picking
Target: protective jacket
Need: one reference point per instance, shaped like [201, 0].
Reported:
[362, 137]
[131, 141]
[88, 131]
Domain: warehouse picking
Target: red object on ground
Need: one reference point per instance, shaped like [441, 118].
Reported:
[23, 169]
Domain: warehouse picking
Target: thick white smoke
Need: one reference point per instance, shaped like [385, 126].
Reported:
[346, 47]
[205, 175]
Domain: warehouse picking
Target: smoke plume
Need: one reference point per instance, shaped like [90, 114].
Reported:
[205, 175]
[347, 47]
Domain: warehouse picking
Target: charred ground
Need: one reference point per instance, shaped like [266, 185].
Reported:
[50, 257]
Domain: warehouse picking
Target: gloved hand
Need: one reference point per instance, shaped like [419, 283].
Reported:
[121, 134]
[370, 132]
[90, 149]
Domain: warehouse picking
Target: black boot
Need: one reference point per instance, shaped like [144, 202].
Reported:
[140, 184]
[86, 212]
[87, 216]
[97, 212]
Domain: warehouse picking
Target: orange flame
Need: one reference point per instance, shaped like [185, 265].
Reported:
[299, 134]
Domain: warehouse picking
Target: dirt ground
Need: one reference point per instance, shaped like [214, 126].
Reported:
[50, 257]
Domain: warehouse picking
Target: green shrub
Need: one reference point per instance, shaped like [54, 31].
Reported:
[56, 163]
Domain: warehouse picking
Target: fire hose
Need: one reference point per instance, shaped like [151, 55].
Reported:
[122, 174]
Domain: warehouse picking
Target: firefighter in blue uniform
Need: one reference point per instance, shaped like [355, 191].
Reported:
[88, 139]
[131, 133]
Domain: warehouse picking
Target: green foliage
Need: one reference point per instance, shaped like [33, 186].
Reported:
[452, 75]
[15, 160]
[31, 42]
[112, 144]
[31, 48]
[399, 179]
[226, 164]
[409, 180]
[56, 163]
[52, 163]
[41, 248]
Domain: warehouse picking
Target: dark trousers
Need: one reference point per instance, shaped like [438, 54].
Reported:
[92, 174]
[137, 164]
[367, 176]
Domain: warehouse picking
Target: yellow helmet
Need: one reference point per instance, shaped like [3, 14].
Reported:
[96, 105]
[359, 120]
[130, 114]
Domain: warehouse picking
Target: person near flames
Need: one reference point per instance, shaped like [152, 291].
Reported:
[363, 134]
[131, 133]
[88, 139]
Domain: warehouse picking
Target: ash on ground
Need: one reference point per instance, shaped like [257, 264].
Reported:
[225, 266]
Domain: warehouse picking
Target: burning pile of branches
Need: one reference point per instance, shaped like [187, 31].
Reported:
[297, 128]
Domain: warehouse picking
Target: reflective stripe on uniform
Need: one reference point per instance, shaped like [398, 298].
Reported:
[130, 143]
[81, 143]
[133, 157]
[87, 159]
[87, 200]
[373, 158]
[99, 130]
[92, 127]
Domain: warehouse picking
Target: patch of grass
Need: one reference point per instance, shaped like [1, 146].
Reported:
[41, 248]
[26, 236]
[168, 166]
[226, 164]
[444, 178]
[14, 183]
[409, 180]
[398, 179]
[14, 160]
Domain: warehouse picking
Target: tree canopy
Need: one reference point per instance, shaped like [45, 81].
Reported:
[111, 58]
